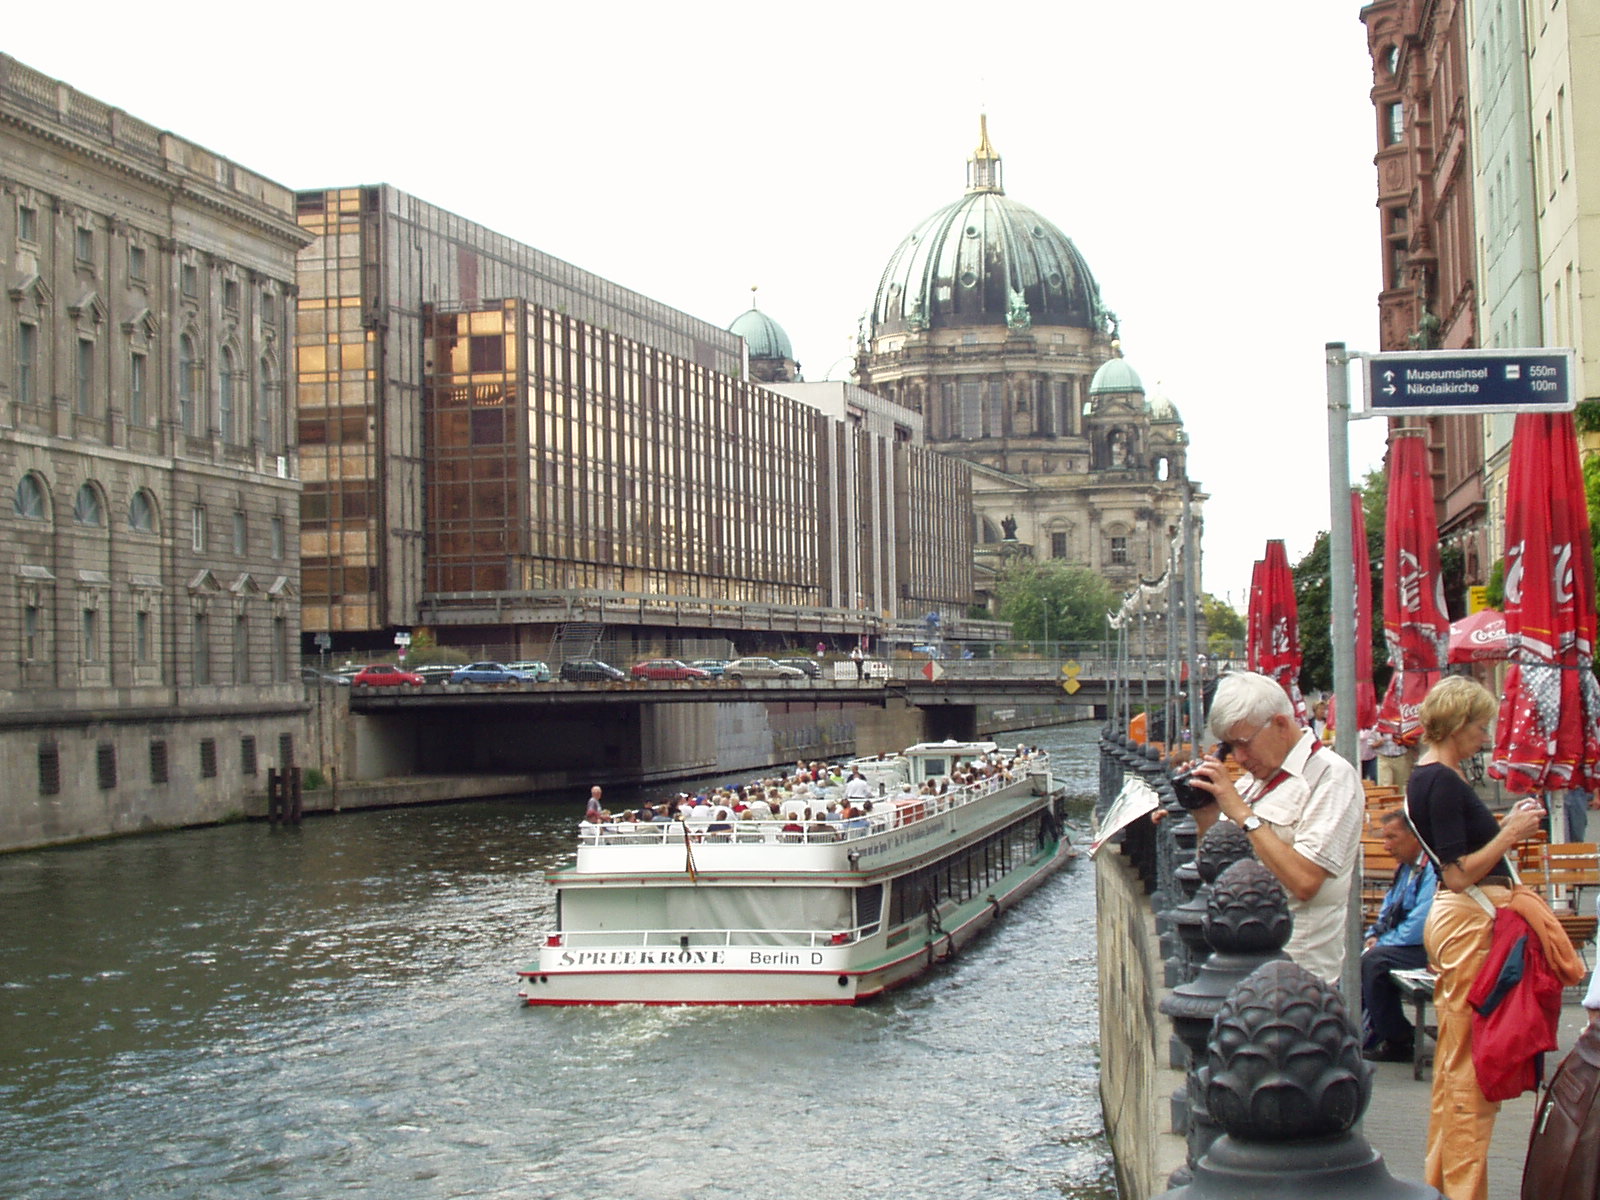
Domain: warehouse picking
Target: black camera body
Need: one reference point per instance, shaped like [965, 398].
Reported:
[1189, 796]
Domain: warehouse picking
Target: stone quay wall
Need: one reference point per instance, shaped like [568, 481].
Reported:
[1136, 1076]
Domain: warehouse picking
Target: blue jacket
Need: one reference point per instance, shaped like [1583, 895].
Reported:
[1405, 908]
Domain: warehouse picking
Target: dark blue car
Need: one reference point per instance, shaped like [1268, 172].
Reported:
[486, 672]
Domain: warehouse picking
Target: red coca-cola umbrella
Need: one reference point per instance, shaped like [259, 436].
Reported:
[1415, 625]
[1280, 625]
[1366, 694]
[1479, 638]
[1253, 640]
[1548, 734]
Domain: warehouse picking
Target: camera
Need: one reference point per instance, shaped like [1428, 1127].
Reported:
[1189, 796]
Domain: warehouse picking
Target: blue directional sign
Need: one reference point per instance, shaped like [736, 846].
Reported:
[1426, 382]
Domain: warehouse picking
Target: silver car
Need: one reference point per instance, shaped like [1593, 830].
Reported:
[760, 668]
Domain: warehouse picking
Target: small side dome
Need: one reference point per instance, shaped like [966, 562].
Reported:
[1162, 410]
[762, 334]
[1115, 375]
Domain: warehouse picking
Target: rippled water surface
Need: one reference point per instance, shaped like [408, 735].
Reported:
[249, 1012]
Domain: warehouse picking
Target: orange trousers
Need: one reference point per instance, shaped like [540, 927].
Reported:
[1461, 1121]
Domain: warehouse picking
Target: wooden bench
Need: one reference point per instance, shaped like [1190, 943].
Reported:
[1416, 989]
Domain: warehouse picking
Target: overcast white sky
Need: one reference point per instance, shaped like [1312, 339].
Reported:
[1214, 166]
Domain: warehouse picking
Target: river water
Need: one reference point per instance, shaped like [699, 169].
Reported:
[253, 1012]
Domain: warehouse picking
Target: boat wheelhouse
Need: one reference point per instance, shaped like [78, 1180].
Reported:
[789, 911]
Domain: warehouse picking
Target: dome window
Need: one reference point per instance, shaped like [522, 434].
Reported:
[968, 279]
[1055, 279]
[1038, 231]
[972, 231]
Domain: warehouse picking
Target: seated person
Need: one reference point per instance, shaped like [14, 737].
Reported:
[1395, 941]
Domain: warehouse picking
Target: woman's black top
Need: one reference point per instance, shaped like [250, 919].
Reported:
[1448, 816]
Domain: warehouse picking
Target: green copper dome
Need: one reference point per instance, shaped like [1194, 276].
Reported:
[985, 260]
[764, 336]
[1115, 375]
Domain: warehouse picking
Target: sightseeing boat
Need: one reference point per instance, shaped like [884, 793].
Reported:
[744, 912]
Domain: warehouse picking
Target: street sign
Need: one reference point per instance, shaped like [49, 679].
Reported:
[1071, 687]
[323, 642]
[1477, 599]
[402, 639]
[1429, 382]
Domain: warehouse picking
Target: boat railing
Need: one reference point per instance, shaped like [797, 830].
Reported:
[889, 812]
[686, 940]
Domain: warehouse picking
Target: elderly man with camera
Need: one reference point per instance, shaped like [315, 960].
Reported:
[1300, 803]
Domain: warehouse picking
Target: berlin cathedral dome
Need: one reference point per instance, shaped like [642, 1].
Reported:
[988, 322]
[985, 259]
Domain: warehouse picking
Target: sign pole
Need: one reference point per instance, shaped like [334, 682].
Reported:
[1342, 630]
[1341, 572]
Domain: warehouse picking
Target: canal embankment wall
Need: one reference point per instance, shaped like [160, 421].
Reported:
[1137, 1076]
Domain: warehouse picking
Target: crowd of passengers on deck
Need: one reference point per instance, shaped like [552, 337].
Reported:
[817, 801]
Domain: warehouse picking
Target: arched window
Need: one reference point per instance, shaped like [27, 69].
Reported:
[225, 398]
[29, 500]
[142, 513]
[87, 509]
[186, 368]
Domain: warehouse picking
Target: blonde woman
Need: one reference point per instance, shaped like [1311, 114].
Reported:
[1471, 850]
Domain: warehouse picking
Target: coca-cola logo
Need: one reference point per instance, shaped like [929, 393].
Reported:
[1410, 581]
[1514, 573]
[1562, 573]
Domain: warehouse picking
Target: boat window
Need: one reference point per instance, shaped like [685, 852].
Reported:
[933, 767]
[869, 905]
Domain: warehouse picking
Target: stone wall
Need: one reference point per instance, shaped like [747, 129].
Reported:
[1136, 1082]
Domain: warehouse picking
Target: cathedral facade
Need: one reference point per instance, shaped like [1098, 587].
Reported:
[989, 323]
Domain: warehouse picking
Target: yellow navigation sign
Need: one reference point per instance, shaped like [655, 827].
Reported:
[1071, 669]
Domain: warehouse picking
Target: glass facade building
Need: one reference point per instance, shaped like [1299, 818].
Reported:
[486, 431]
[565, 458]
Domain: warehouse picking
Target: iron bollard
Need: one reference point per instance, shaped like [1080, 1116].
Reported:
[1223, 845]
[1247, 924]
[1285, 1080]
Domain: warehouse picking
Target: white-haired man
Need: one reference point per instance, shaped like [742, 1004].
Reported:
[1300, 803]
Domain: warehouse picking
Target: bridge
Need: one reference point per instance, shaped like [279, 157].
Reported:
[558, 736]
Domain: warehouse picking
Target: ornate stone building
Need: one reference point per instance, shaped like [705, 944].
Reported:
[988, 322]
[1429, 300]
[149, 631]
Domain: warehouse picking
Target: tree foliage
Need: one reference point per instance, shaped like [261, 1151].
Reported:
[1051, 601]
[1311, 590]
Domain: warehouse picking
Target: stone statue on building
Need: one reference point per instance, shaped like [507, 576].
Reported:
[1008, 527]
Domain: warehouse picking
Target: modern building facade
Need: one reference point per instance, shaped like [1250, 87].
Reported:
[149, 639]
[988, 323]
[376, 257]
[567, 464]
[1430, 295]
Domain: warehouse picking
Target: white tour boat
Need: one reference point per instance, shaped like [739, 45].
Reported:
[745, 912]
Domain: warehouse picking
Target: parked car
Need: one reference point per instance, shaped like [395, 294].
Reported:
[667, 668]
[384, 675]
[315, 678]
[435, 672]
[760, 668]
[713, 667]
[589, 670]
[532, 669]
[809, 665]
[486, 672]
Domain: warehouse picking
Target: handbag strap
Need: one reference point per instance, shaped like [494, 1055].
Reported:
[1471, 889]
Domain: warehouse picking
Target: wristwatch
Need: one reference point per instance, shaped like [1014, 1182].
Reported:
[1251, 823]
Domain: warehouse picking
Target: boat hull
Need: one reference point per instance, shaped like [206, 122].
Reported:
[764, 974]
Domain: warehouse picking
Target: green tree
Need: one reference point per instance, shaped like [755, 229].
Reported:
[1051, 601]
[1311, 577]
[1222, 619]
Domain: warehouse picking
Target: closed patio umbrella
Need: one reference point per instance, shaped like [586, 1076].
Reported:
[1366, 693]
[1280, 626]
[1415, 626]
[1548, 734]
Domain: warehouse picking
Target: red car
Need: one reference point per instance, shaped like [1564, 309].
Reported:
[668, 668]
[384, 675]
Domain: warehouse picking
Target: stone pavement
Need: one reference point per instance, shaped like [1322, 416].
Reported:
[1397, 1119]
